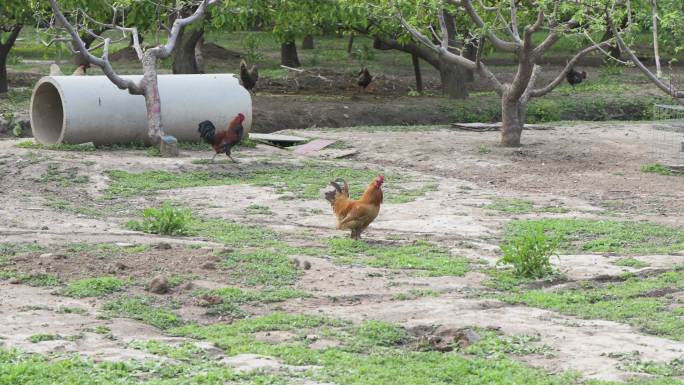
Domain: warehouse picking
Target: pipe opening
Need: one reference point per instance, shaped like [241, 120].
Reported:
[47, 114]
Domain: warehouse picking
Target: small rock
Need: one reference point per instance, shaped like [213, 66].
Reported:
[120, 265]
[159, 285]
[45, 228]
[210, 300]
[163, 246]
[209, 266]
[467, 337]
[307, 265]
[168, 147]
[45, 256]
[14, 281]
[311, 337]
[124, 244]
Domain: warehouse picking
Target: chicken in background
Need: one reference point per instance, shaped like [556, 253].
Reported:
[81, 70]
[364, 79]
[575, 77]
[249, 77]
[223, 141]
[355, 215]
[55, 70]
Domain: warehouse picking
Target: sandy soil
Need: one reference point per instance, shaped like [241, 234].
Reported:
[593, 170]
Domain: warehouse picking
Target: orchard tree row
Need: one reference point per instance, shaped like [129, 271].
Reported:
[454, 36]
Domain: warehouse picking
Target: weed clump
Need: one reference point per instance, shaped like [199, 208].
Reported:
[530, 252]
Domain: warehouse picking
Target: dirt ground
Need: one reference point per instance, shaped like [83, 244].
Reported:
[593, 170]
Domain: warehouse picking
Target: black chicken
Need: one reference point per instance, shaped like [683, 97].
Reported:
[575, 77]
[365, 78]
[249, 77]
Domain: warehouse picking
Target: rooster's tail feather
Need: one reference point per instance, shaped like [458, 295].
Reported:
[206, 130]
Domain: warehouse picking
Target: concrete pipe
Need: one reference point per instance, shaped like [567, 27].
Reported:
[82, 109]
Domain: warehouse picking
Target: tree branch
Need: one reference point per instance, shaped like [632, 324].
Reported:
[14, 33]
[679, 95]
[103, 62]
[165, 50]
[561, 76]
[451, 57]
[497, 42]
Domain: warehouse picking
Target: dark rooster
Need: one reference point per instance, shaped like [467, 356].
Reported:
[575, 77]
[365, 78]
[249, 77]
[223, 141]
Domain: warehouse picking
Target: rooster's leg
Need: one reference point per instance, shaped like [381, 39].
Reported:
[213, 157]
[231, 158]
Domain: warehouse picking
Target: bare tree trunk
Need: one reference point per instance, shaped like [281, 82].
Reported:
[513, 113]
[453, 79]
[199, 57]
[350, 44]
[184, 61]
[4, 87]
[288, 55]
[5, 48]
[656, 53]
[152, 101]
[452, 76]
[308, 42]
[416, 70]
[470, 53]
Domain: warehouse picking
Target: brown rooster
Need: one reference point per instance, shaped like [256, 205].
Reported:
[223, 141]
[249, 77]
[81, 70]
[356, 215]
[364, 79]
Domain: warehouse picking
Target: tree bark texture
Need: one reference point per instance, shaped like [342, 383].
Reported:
[184, 58]
[288, 55]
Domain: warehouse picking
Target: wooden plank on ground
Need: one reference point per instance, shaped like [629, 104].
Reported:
[313, 146]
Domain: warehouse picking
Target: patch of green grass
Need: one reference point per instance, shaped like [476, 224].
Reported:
[631, 262]
[641, 302]
[258, 210]
[373, 353]
[56, 147]
[9, 249]
[415, 294]
[233, 297]
[63, 177]
[93, 287]
[605, 236]
[105, 250]
[421, 255]
[521, 206]
[232, 234]
[72, 310]
[39, 280]
[167, 220]
[661, 169]
[44, 337]
[142, 309]
[184, 352]
[632, 362]
[494, 345]
[19, 368]
[271, 268]
[303, 182]
[483, 149]
[63, 205]
[511, 206]
[529, 252]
